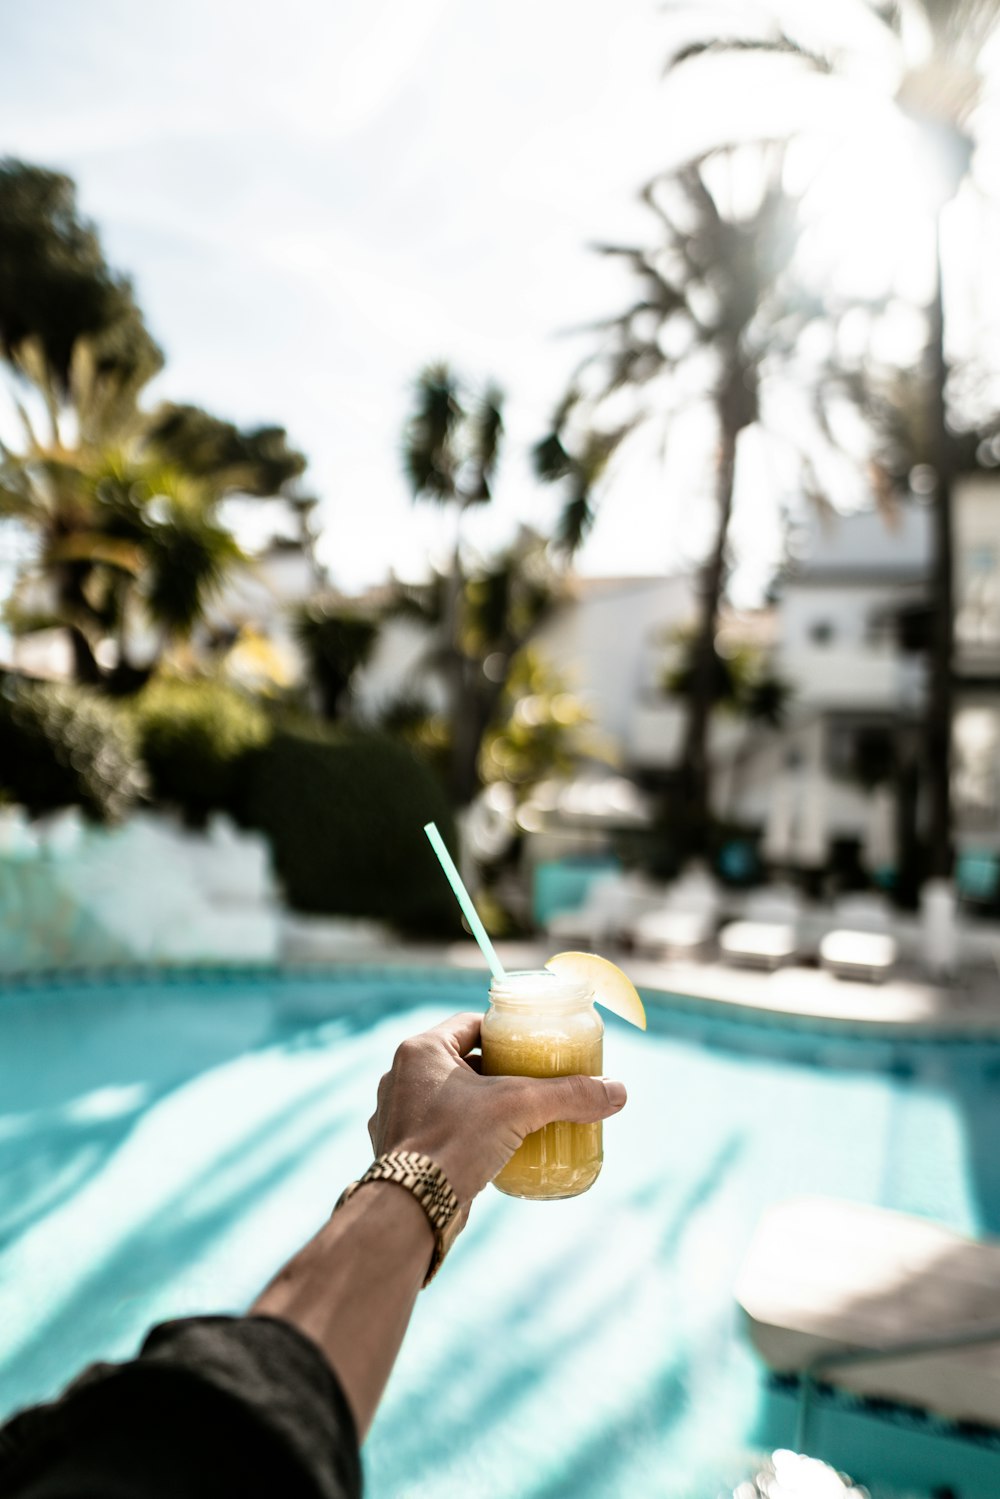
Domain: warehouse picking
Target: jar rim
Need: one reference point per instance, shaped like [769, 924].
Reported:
[539, 986]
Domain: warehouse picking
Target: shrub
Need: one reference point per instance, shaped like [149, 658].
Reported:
[345, 813]
[195, 738]
[66, 746]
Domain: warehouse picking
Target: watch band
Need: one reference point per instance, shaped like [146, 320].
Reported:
[422, 1177]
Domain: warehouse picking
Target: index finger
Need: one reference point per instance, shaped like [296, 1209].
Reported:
[460, 1033]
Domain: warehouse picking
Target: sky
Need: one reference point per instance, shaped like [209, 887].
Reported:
[316, 199]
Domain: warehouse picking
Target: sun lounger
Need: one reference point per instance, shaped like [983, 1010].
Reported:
[858, 955]
[822, 1278]
[759, 944]
[768, 935]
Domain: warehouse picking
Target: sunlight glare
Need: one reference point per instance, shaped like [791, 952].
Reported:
[868, 214]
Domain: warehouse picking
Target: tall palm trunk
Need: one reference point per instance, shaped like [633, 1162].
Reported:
[939, 708]
[695, 769]
[72, 599]
[461, 708]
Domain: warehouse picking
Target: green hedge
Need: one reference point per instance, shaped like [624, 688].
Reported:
[195, 738]
[345, 816]
[63, 746]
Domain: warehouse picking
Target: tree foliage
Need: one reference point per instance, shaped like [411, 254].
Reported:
[451, 444]
[337, 642]
[56, 286]
[64, 746]
[451, 447]
[123, 504]
[257, 462]
[195, 737]
[716, 317]
[503, 603]
[743, 680]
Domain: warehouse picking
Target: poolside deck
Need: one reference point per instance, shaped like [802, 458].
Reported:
[905, 1003]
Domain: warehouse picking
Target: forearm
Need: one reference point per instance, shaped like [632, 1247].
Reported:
[353, 1287]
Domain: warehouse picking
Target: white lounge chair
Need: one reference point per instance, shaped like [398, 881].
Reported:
[861, 944]
[759, 944]
[823, 1279]
[768, 934]
[858, 955]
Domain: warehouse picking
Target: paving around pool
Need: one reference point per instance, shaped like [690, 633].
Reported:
[167, 1139]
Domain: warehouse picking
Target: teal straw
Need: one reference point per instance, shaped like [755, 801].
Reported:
[464, 900]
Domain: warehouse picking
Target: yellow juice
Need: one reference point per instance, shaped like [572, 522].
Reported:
[538, 1028]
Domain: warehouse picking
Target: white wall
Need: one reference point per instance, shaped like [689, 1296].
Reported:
[847, 609]
[397, 669]
[866, 542]
[611, 643]
[977, 572]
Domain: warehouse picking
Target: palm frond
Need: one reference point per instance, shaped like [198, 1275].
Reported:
[190, 558]
[550, 459]
[95, 548]
[429, 457]
[575, 521]
[422, 603]
[486, 431]
[777, 45]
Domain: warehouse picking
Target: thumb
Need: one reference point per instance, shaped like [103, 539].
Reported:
[578, 1100]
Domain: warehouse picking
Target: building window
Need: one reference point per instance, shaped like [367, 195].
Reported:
[821, 632]
[860, 750]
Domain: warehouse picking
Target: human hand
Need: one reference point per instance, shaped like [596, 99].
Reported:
[433, 1100]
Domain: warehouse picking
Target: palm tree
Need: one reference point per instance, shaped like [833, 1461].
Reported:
[120, 536]
[715, 321]
[56, 286]
[502, 606]
[936, 81]
[337, 642]
[450, 451]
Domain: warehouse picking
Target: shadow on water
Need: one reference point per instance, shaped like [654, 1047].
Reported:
[50, 1153]
[964, 1070]
[605, 1463]
[53, 1158]
[531, 1351]
[153, 1254]
[976, 1091]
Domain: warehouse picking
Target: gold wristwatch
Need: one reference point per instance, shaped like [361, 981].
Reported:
[429, 1185]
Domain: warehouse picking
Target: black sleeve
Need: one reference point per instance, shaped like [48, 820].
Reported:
[213, 1407]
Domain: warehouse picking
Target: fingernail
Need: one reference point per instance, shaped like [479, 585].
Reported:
[615, 1091]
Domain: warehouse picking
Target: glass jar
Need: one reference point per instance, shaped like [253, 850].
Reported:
[542, 1025]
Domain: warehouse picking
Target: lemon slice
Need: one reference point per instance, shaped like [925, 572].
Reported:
[611, 987]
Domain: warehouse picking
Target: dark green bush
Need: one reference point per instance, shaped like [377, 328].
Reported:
[195, 739]
[345, 815]
[64, 746]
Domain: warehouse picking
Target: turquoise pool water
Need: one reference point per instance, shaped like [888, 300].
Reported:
[166, 1141]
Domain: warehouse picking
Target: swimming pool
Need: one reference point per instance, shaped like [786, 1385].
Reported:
[166, 1140]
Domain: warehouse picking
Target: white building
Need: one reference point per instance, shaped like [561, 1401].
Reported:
[849, 636]
[977, 652]
[853, 622]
